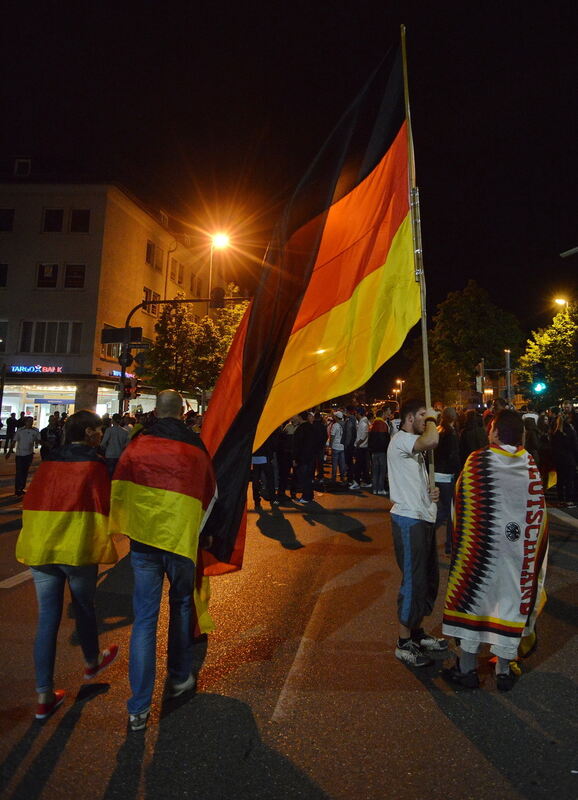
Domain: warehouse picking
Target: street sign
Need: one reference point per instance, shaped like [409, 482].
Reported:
[116, 335]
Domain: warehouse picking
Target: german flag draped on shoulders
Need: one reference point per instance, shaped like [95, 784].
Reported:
[336, 298]
[65, 511]
[163, 489]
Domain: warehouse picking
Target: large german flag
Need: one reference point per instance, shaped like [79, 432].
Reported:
[65, 511]
[336, 298]
[163, 489]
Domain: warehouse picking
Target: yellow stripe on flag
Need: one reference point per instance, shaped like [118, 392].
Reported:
[340, 350]
[76, 538]
[177, 517]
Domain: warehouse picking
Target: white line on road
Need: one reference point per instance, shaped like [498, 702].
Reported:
[20, 577]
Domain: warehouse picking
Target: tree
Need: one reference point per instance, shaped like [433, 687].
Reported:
[556, 347]
[467, 327]
[187, 354]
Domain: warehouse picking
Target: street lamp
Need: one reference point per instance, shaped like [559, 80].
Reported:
[561, 301]
[219, 241]
[400, 381]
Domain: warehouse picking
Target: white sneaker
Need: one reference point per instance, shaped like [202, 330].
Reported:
[366, 485]
[177, 689]
[355, 486]
[433, 644]
[411, 653]
[138, 722]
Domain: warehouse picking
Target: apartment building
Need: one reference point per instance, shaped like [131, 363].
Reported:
[74, 259]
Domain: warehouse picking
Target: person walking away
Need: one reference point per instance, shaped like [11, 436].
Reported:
[321, 440]
[447, 468]
[337, 448]
[413, 516]
[64, 538]
[50, 437]
[378, 442]
[284, 455]
[472, 436]
[262, 470]
[495, 585]
[10, 432]
[305, 443]
[114, 440]
[565, 455]
[349, 437]
[361, 451]
[162, 493]
[26, 439]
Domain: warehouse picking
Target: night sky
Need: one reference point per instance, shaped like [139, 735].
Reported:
[214, 111]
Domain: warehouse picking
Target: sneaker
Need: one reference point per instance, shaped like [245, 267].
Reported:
[138, 722]
[105, 660]
[177, 689]
[431, 643]
[303, 502]
[355, 485]
[505, 681]
[383, 492]
[468, 680]
[366, 485]
[44, 710]
[411, 653]
[275, 502]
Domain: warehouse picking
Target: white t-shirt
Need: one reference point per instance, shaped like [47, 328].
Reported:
[25, 440]
[408, 479]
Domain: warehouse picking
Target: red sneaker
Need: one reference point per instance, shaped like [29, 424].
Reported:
[105, 659]
[44, 710]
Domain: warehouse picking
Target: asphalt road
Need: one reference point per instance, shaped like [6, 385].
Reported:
[300, 695]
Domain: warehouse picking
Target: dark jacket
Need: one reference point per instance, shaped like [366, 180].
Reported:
[473, 437]
[305, 443]
[349, 432]
[447, 453]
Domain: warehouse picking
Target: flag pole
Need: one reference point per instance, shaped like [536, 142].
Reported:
[416, 235]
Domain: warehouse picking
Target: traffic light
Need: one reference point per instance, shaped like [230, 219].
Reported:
[217, 297]
[539, 384]
[136, 387]
[127, 389]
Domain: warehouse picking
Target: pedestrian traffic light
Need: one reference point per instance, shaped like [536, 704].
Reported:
[127, 389]
[136, 387]
[539, 384]
[217, 297]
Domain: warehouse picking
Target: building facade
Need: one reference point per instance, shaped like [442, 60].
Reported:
[74, 259]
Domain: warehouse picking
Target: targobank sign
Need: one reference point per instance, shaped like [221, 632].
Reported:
[38, 368]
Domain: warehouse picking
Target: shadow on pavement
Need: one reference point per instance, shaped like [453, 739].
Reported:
[337, 521]
[274, 525]
[211, 748]
[526, 734]
[33, 782]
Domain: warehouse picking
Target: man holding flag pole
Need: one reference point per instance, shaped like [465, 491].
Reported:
[354, 218]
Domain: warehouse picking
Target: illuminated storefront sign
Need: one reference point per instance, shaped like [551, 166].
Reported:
[116, 373]
[38, 368]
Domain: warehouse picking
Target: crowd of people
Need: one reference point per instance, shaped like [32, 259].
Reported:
[150, 478]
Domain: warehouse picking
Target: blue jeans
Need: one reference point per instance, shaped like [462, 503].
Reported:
[378, 471]
[49, 582]
[337, 462]
[149, 570]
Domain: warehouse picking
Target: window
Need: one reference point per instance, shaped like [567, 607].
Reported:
[150, 253]
[22, 167]
[173, 269]
[3, 334]
[3, 275]
[152, 298]
[49, 336]
[164, 219]
[181, 275]
[6, 219]
[110, 351]
[47, 276]
[192, 284]
[53, 220]
[74, 276]
[80, 220]
[159, 258]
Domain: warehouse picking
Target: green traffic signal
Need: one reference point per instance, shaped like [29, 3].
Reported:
[539, 387]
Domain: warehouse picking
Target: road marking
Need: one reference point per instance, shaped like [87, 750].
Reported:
[286, 699]
[20, 577]
[563, 517]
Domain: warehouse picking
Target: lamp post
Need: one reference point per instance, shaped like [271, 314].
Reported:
[219, 241]
[400, 381]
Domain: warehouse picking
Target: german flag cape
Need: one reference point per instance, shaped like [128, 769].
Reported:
[65, 511]
[163, 489]
[500, 546]
[336, 298]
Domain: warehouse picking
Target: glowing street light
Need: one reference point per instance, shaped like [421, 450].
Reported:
[561, 301]
[400, 381]
[219, 241]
